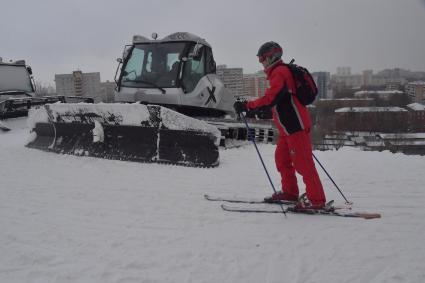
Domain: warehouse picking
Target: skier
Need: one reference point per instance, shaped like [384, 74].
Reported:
[293, 150]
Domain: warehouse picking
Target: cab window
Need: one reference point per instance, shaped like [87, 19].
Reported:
[210, 66]
[194, 69]
[133, 69]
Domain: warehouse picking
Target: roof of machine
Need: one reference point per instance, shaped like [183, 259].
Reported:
[177, 36]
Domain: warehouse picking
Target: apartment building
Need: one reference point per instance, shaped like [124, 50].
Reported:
[79, 84]
[255, 85]
[232, 79]
[416, 91]
[322, 80]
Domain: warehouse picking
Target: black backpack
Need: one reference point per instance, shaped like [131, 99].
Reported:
[306, 89]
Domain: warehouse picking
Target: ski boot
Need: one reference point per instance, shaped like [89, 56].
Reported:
[305, 205]
[281, 197]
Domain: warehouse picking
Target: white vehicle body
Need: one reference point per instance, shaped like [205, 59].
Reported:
[177, 71]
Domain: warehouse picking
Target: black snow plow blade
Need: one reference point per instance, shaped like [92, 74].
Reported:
[134, 132]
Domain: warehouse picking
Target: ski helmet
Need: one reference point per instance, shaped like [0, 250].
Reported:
[271, 50]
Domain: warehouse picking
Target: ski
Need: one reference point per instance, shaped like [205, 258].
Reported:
[258, 201]
[290, 209]
[245, 200]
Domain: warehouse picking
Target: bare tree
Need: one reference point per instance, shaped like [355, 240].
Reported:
[43, 89]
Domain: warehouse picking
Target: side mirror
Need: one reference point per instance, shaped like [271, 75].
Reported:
[29, 70]
[126, 51]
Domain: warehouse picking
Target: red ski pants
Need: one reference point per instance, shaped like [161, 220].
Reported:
[294, 154]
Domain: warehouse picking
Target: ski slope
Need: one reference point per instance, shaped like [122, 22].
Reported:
[79, 219]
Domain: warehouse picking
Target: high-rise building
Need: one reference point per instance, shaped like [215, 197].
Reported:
[79, 84]
[348, 81]
[232, 79]
[416, 90]
[343, 71]
[344, 77]
[322, 81]
[255, 85]
[367, 77]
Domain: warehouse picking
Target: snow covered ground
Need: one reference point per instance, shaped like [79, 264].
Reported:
[77, 219]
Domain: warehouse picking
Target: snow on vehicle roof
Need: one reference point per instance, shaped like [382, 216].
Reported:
[177, 36]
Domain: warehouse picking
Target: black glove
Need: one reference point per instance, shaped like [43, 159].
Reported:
[240, 106]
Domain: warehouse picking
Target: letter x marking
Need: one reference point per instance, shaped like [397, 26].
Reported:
[211, 93]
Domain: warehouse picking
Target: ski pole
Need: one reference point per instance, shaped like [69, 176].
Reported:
[346, 200]
[252, 139]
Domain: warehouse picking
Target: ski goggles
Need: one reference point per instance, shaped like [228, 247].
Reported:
[264, 56]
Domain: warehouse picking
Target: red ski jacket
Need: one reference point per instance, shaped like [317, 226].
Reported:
[289, 115]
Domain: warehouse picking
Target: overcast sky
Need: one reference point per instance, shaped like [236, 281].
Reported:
[58, 36]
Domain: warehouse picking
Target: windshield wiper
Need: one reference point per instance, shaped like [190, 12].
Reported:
[152, 84]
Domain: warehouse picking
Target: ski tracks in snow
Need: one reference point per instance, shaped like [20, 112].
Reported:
[78, 219]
